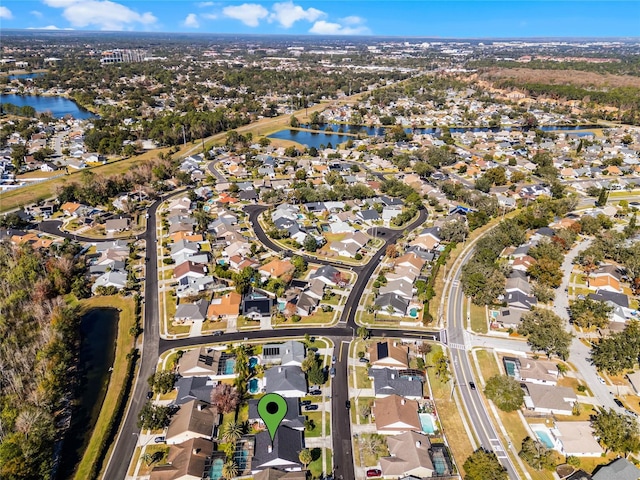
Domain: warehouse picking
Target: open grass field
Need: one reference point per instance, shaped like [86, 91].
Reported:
[118, 375]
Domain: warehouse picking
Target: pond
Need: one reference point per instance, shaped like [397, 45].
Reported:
[98, 330]
[311, 139]
[58, 106]
[18, 76]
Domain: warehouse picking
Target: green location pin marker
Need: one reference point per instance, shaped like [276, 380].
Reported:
[272, 408]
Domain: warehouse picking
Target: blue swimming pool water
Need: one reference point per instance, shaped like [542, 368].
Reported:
[281, 305]
[230, 366]
[428, 423]
[253, 361]
[241, 459]
[544, 437]
[216, 469]
[413, 312]
[254, 386]
[510, 367]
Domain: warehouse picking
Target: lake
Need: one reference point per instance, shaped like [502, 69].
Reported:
[98, 330]
[311, 139]
[380, 131]
[58, 106]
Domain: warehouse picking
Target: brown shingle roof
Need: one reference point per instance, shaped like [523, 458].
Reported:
[396, 413]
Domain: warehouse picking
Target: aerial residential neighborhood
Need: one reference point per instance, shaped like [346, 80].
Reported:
[426, 247]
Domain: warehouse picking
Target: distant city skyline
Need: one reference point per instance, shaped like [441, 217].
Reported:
[446, 19]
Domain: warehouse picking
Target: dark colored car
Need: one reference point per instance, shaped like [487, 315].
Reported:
[217, 333]
[149, 395]
[159, 440]
[315, 392]
[311, 407]
[472, 385]
[618, 402]
[374, 472]
[347, 404]
[363, 360]
[304, 403]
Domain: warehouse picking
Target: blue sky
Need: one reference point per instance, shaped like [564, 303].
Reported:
[452, 19]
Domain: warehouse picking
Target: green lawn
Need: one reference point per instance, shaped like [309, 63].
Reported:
[315, 467]
[362, 377]
[478, 319]
[316, 417]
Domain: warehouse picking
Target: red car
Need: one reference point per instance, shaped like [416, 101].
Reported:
[373, 472]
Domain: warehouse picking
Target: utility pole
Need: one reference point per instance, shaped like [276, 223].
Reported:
[184, 136]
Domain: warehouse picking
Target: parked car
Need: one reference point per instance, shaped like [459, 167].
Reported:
[363, 360]
[159, 439]
[374, 472]
[472, 385]
[310, 407]
[333, 360]
[347, 404]
[618, 402]
[304, 403]
[332, 372]
[149, 395]
[217, 333]
[315, 392]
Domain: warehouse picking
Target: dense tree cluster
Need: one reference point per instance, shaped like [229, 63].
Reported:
[616, 431]
[484, 465]
[537, 455]
[38, 335]
[619, 351]
[545, 332]
[505, 392]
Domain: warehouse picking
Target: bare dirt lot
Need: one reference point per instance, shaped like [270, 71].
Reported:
[574, 77]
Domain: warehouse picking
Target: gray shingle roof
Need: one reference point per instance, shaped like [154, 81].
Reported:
[286, 447]
[387, 382]
[283, 379]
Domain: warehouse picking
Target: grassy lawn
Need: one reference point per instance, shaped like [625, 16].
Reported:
[333, 300]
[356, 409]
[315, 467]
[478, 318]
[245, 324]
[155, 450]
[316, 417]
[362, 378]
[572, 382]
[178, 329]
[134, 461]
[211, 325]
[449, 417]
[488, 365]
[366, 459]
[124, 343]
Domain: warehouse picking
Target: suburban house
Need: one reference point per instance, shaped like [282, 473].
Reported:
[257, 306]
[577, 439]
[225, 307]
[287, 381]
[189, 460]
[387, 381]
[619, 469]
[188, 313]
[394, 415]
[388, 355]
[205, 361]
[194, 388]
[409, 455]
[276, 268]
[509, 318]
[114, 225]
[286, 354]
[293, 418]
[517, 299]
[542, 372]
[189, 269]
[275, 474]
[194, 419]
[606, 278]
[282, 453]
[392, 304]
[428, 239]
[327, 274]
[549, 399]
[113, 278]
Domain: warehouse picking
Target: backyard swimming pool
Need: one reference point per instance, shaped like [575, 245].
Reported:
[215, 473]
[253, 361]
[428, 423]
[230, 366]
[544, 435]
[254, 386]
[413, 312]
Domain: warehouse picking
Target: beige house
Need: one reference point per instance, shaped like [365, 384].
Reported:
[388, 355]
[195, 419]
[409, 456]
[395, 414]
[185, 461]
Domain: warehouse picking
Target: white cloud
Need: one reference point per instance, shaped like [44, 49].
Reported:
[286, 14]
[103, 14]
[36, 13]
[209, 16]
[205, 4]
[248, 13]
[191, 21]
[5, 13]
[48, 27]
[322, 27]
[352, 20]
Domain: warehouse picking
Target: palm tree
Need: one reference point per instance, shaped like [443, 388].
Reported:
[230, 470]
[363, 332]
[147, 458]
[231, 432]
[305, 457]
